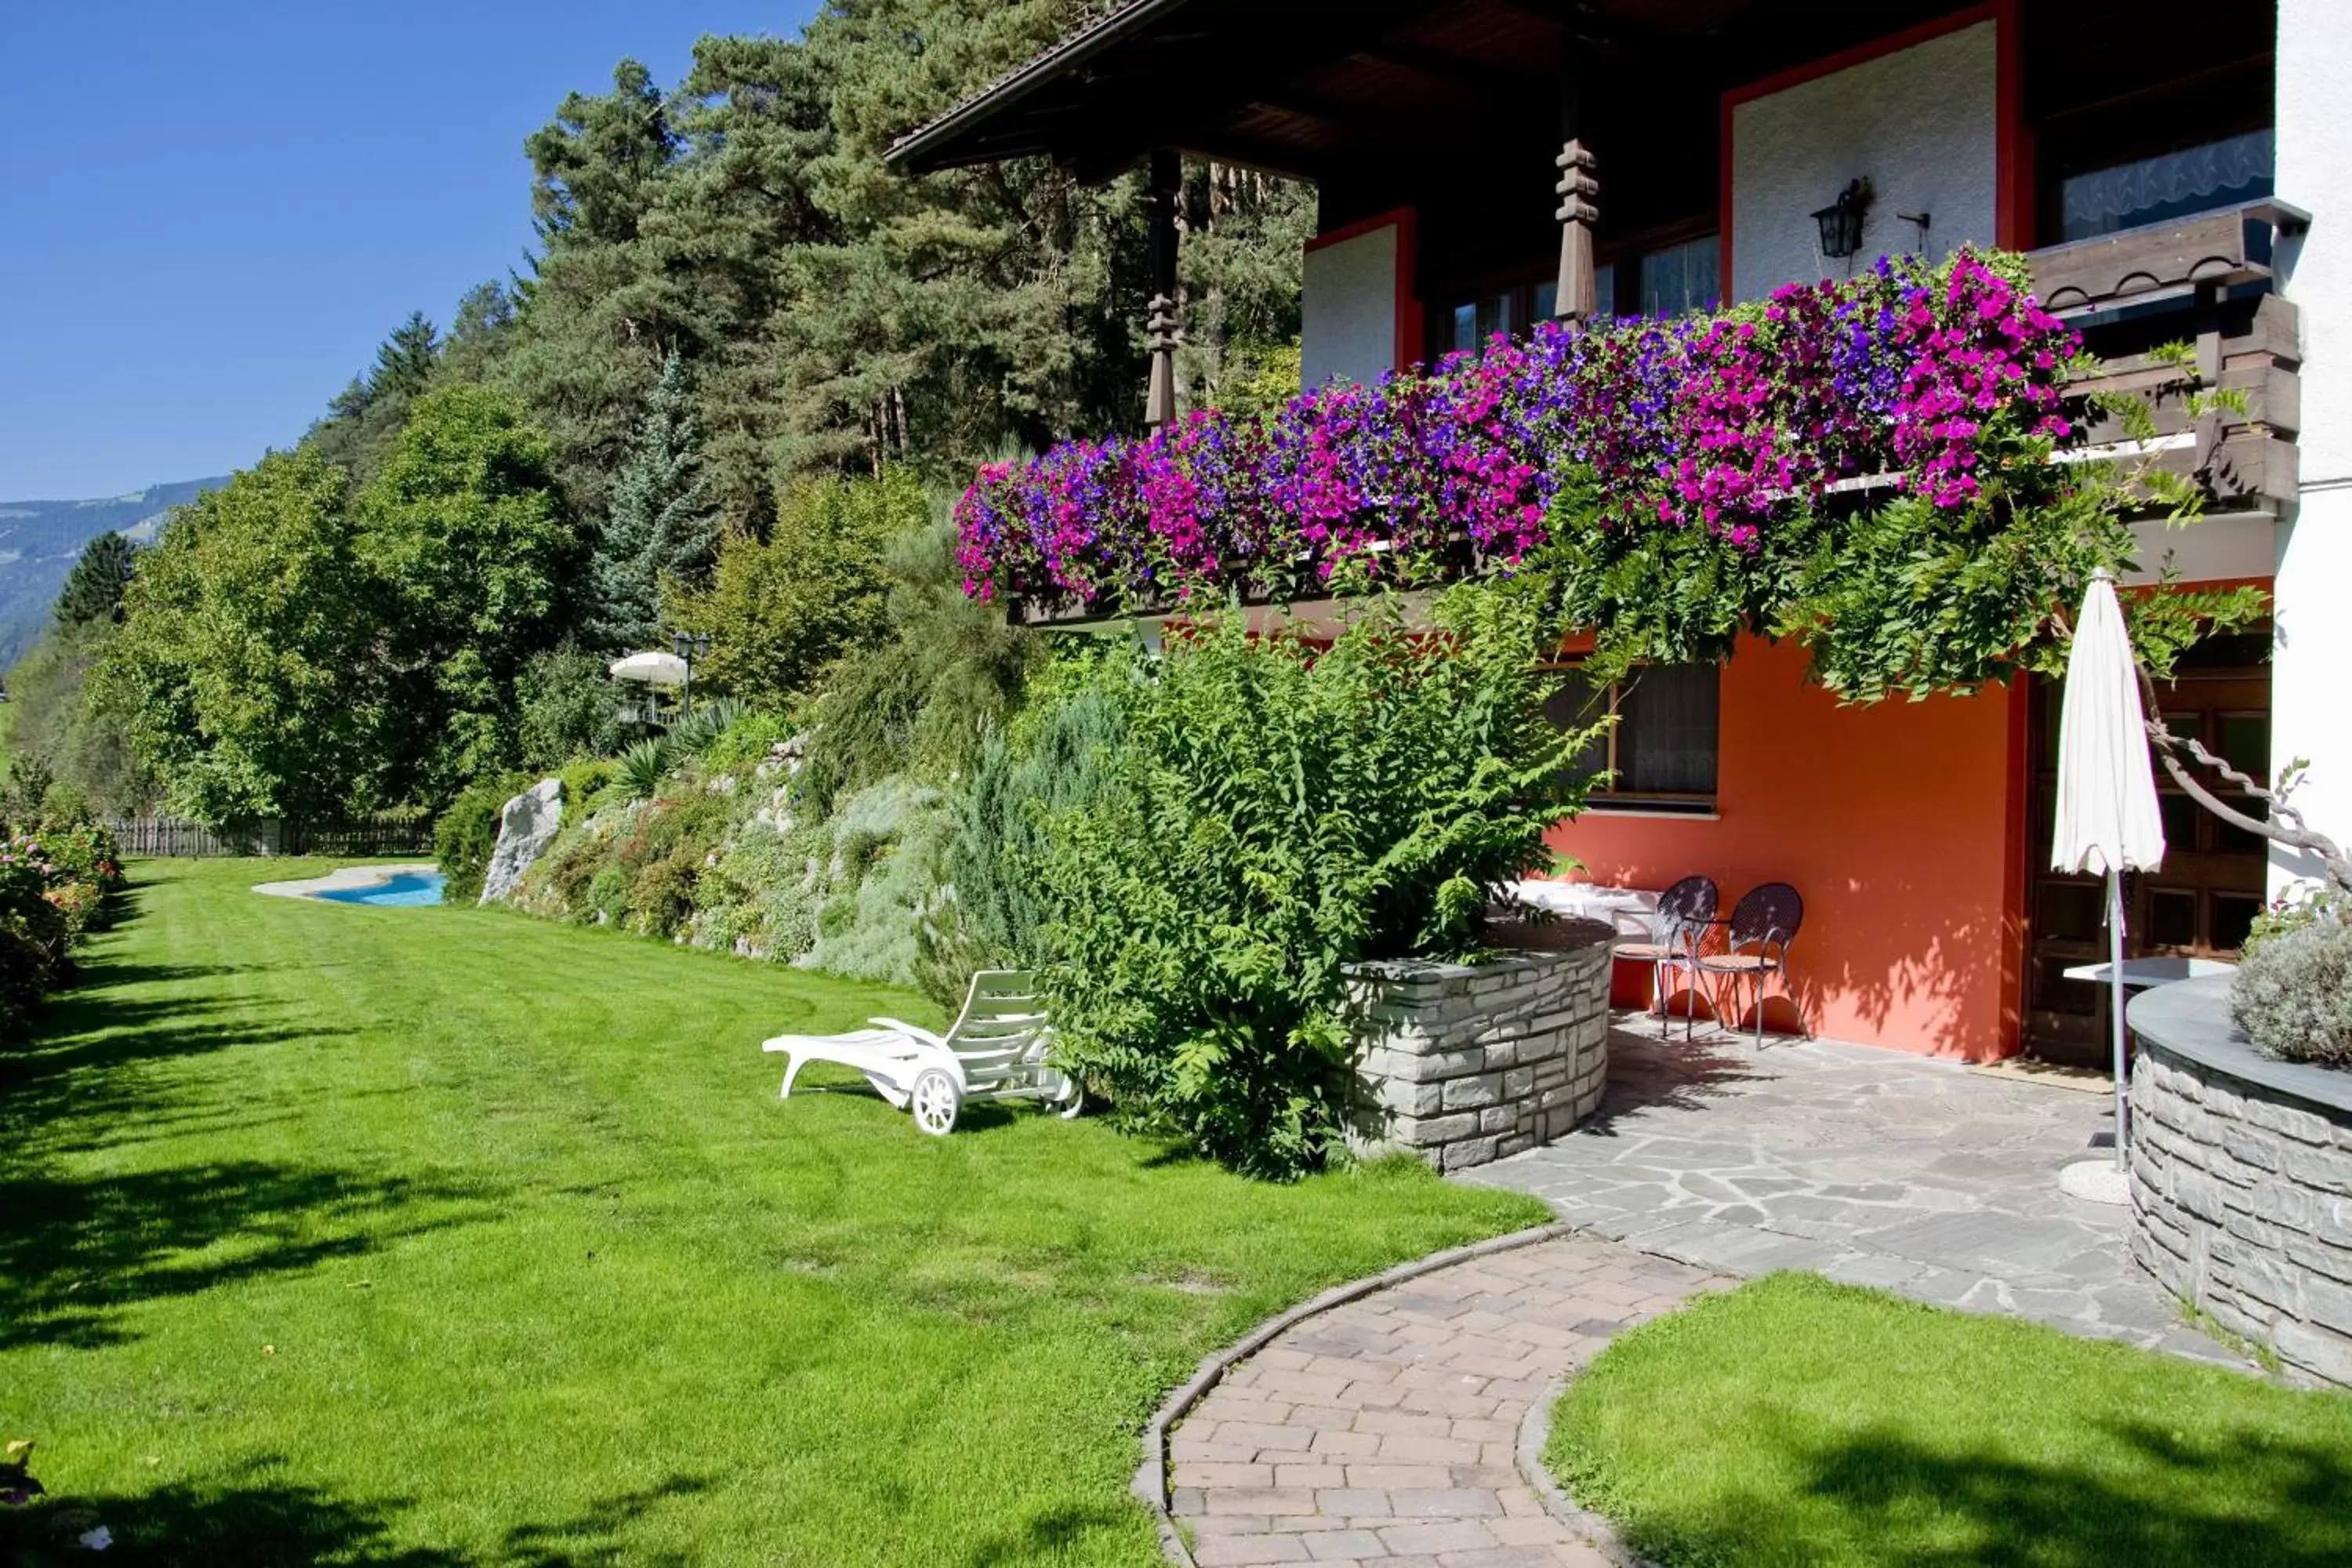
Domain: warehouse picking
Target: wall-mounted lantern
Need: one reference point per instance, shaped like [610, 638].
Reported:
[1841, 221]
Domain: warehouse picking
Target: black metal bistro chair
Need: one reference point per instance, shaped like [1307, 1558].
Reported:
[1763, 925]
[1685, 911]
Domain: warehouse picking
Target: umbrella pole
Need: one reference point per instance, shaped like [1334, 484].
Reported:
[2115, 1003]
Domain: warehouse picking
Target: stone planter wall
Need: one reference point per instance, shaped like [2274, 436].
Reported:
[1465, 1065]
[2241, 1179]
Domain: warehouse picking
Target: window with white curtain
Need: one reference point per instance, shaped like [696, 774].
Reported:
[2204, 178]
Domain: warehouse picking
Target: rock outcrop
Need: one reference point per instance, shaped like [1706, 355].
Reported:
[527, 826]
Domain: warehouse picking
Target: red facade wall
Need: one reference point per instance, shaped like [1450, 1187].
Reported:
[1900, 823]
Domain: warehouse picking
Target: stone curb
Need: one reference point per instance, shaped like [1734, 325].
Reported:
[1150, 1482]
[1534, 1437]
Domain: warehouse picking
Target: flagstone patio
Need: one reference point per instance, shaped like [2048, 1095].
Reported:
[1867, 1165]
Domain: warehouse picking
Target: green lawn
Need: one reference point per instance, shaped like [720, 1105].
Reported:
[437, 1237]
[1794, 1421]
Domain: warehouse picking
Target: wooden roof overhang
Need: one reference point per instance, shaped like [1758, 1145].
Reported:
[1310, 89]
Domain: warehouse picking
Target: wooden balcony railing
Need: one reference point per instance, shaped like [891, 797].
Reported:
[2132, 292]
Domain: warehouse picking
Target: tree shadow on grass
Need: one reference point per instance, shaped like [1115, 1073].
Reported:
[1052, 1535]
[91, 1070]
[74, 1252]
[2169, 1499]
[254, 1520]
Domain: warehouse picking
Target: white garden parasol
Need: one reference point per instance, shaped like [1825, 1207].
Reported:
[653, 668]
[2107, 820]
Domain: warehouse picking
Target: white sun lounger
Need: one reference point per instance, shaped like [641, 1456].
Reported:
[995, 1050]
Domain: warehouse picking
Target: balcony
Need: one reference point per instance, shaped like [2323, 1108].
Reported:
[2209, 279]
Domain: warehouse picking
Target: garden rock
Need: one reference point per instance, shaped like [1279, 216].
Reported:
[527, 826]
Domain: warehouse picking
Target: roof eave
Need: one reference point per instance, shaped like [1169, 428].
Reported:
[927, 146]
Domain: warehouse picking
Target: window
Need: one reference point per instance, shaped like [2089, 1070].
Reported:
[2204, 178]
[1662, 747]
[1476, 322]
[1671, 280]
[1683, 278]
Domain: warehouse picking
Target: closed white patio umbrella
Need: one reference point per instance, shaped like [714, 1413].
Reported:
[2108, 821]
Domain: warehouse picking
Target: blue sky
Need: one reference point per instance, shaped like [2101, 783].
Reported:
[211, 213]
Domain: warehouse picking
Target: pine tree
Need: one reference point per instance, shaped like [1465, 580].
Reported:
[93, 591]
[363, 419]
[661, 524]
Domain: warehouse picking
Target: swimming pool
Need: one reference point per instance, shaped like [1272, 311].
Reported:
[399, 888]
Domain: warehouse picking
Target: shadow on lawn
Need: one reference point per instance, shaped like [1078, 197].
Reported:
[257, 1522]
[87, 1073]
[1053, 1535]
[74, 1252]
[2195, 1500]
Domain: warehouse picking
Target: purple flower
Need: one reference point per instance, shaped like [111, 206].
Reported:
[1730, 424]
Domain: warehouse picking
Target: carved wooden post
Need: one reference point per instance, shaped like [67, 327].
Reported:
[1164, 322]
[1578, 299]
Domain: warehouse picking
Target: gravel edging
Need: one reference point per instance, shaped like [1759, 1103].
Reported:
[1150, 1482]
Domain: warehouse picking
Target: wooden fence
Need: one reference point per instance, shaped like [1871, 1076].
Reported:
[172, 835]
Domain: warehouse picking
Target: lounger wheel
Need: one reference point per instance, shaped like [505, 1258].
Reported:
[935, 1101]
[1073, 1099]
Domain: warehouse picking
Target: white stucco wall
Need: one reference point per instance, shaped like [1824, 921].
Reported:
[2310, 679]
[1349, 309]
[1920, 124]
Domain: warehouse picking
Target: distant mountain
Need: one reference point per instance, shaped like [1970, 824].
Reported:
[40, 540]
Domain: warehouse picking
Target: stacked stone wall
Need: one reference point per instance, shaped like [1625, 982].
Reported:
[1463, 1065]
[2243, 1207]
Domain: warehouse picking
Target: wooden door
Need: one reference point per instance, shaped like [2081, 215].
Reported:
[2213, 879]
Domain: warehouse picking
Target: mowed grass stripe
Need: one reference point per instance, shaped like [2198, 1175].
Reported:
[418, 1236]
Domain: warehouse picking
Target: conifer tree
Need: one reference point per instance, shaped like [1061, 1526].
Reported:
[93, 591]
[661, 524]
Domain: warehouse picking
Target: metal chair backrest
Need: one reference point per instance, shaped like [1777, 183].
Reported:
[1767, 915]
[1002, 1018]
[1685, 908]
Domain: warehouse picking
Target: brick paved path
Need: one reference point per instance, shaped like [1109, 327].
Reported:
[1384, 1432]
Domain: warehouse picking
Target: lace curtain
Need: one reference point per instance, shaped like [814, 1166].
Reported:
[2198, 179]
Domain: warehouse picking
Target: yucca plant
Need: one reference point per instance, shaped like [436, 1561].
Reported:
[642, 768]
[698, 732]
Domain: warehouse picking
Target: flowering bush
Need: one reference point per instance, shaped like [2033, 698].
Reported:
[1724, 427]
[84, 871]
[54, 886]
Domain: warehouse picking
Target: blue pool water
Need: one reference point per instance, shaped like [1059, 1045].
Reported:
[405, 888]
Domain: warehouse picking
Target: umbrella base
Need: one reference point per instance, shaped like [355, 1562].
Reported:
[2096, 1180]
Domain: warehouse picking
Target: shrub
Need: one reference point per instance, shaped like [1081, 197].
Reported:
[747, 741]
[83, 871]
[466, 832]
[36, 936]
[585, 779]
[1054, 766]
[1272, 814]
[2293, 993]
[568, 706]
[876, 878]
[608, 894]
